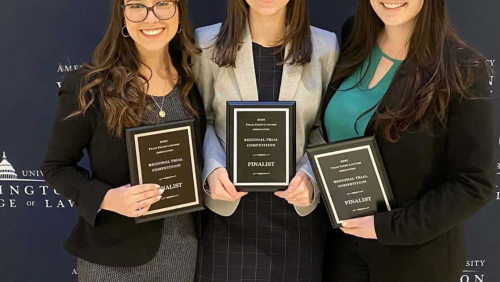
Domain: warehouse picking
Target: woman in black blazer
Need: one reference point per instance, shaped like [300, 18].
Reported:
[140, 75]
[406, 77]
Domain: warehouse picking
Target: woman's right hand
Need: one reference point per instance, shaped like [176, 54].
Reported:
[221, 188]
[132, 201]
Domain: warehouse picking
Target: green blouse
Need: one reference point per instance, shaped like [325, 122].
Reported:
[351, 101]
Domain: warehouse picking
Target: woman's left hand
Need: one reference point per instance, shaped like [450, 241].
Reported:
[299, 192]
[363, 227]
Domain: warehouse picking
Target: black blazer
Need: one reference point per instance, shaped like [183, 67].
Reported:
[438, 182]
[105, 238]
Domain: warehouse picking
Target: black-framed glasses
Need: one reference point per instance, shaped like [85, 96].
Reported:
[136, 12]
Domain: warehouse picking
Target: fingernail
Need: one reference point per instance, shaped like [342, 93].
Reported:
[344, 224]
[157, 186]
[162, 191]
[159, 198]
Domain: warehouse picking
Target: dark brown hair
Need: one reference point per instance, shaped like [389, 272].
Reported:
[439, 63]
[298, 33]
[114, 80]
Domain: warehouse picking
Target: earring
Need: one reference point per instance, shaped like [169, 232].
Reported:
[123, 32]
[180, 29]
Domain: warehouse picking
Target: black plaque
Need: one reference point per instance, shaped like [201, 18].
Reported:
[352, 179]
[165, 154]
[260, 145]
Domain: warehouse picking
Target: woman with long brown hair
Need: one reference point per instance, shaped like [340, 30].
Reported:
[405, 76]
[263, 51]
[140, 74]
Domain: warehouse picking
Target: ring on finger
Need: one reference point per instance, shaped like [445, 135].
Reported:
[140, 205]
[295, 199]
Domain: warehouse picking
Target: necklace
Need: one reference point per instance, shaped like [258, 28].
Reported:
[161, 113]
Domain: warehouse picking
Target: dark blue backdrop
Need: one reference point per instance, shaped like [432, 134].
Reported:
[41, 40]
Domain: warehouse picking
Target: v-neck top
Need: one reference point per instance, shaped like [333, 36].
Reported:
[345, 116]
[268, 71]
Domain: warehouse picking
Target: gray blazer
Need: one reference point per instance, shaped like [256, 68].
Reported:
[304, 84]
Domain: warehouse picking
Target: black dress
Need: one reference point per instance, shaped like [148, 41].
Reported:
[265, 239]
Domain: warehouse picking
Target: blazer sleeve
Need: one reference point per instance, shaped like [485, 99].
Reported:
[201, 124]
[471, 154]
[316, 134]
[68, 138]
[214, 154]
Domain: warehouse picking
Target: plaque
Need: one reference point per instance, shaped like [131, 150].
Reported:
[165, 154]
[352, 178]
[260, 146]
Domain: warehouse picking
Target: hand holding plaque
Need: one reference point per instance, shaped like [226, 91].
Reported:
[260, 146]
[165, 154]
[118, 199]
[221, 188]
[352, 179]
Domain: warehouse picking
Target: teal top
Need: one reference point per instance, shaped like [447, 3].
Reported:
[351, 101]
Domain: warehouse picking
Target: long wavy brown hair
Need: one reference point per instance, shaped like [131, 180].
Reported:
[298, 34]
[113, 79]
[439, 63]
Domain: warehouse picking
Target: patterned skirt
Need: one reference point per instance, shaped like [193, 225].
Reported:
[174, 262]
[264, 240]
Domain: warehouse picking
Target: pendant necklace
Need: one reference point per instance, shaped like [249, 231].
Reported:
[161, 113]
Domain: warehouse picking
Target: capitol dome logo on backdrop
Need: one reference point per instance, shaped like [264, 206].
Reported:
[8, 173]
[26, 189]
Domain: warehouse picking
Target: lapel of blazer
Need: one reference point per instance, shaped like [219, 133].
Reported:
[245, 69]
[290, 80]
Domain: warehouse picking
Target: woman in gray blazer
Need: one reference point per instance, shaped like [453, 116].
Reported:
[263, 51]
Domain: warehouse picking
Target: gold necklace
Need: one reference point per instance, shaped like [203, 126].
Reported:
[162, 113]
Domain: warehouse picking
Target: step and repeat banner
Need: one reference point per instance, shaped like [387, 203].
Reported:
[42, 40]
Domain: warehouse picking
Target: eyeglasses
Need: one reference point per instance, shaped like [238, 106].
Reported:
[164, 10]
